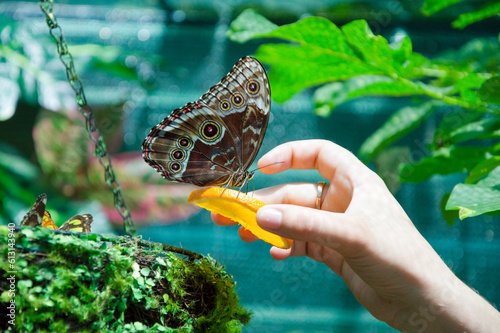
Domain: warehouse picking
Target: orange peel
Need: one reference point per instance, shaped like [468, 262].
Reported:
[238, 207]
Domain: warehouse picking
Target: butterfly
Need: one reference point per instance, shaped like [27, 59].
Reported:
[38, 216]
[214, 140]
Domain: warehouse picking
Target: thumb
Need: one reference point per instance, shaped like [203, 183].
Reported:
[307, 224]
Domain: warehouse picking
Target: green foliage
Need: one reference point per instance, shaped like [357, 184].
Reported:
[444, 161]
[476, 199]
[399, 124]
[490, 90]
[17, 174]
[433, 6]
[461, 86]
[487, 10]
[323, 53]
[91, 283]
[21, 54]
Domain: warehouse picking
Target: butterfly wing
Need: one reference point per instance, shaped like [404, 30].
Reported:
[78, 223]
[34, 216]
[209, 141]
[47, 222]
[247, 119]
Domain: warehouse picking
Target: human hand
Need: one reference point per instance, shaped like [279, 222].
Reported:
[362, 234]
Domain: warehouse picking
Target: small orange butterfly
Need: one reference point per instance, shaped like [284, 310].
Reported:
[38, 216]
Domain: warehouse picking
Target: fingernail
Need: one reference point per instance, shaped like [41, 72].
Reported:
[269, 219]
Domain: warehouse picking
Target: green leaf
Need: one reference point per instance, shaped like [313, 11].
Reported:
[490, 90]
[471, 81]
[295, 68]
[331, 95]
[432, 6]
[400, 123]
[145, 271]
[444, 161]
[482, 169]
[375, 50]
[450, 216]
[452, 120]
[489, 10]
[316, 31]
[248, 25]
[24, 284]
[323, 53]
[466, 86]
[476, 199]
[161, 261]
[474, 130]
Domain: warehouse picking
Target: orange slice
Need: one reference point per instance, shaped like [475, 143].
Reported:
[239, 207]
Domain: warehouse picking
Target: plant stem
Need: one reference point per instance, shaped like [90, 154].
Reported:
[451, 100]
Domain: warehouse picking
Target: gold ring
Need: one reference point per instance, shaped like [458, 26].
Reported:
[321, 184]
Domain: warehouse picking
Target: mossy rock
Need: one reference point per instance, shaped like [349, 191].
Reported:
[91, 283]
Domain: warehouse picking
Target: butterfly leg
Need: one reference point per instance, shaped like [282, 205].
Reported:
[227, 184]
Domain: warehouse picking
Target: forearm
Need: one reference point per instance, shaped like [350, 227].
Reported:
[451, 306]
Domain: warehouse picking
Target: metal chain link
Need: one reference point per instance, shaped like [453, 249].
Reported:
[90, 123]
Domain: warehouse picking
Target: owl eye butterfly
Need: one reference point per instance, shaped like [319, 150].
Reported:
[214, 140]
[38, 216]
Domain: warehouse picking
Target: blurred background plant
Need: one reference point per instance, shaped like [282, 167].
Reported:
[410, 86]
[60, 158]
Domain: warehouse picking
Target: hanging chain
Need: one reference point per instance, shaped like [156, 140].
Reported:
[90, 123]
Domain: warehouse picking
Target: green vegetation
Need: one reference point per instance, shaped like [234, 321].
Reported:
[348, 62]
[91, 283]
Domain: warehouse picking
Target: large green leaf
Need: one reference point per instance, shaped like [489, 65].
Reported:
[375, 50]
[316, 31]
[489, 10]
[400, 123]
[490, 90]
[321, 52]
[476, 199]
[432, 6]
[444, 161]
[295, 68]
[329, 96]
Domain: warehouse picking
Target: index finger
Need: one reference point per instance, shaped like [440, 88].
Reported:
[301, 194]
[329, 159]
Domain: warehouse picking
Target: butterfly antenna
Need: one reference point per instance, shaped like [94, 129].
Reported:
[268, 165]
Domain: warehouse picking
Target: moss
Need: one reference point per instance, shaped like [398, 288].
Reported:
[91, 283]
